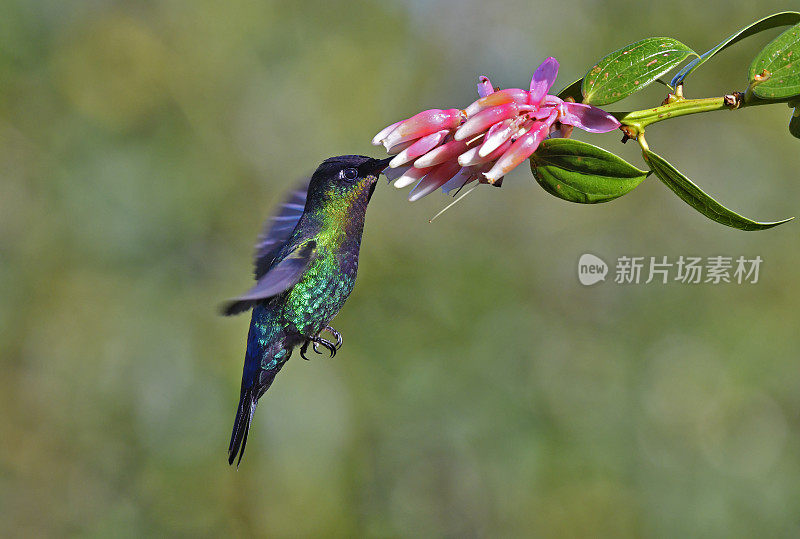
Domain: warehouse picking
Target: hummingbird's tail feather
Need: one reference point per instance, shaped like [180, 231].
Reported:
[252, 390]
[241, 426]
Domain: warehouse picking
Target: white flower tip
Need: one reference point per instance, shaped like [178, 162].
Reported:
[399, 160]
[391, 140]
[485, 150]
[404, 181]
[465, 159]
[413, 196]
[424, 161]
[497, 135]
[410, 176]
[383, 133]
[492, 176]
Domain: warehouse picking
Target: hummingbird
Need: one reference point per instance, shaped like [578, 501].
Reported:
[305, 268]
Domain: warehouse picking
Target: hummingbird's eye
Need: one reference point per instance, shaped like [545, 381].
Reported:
[350, 174]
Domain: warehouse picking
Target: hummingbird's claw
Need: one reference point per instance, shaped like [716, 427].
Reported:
[336, 335]
[318, 341]
[304, 349]
[329, 346]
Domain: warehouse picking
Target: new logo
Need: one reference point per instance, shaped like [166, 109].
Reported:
[591, 269]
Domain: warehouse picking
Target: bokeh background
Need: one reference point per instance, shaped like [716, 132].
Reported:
[482, 391]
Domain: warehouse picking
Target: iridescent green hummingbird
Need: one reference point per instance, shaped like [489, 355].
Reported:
[305, 267]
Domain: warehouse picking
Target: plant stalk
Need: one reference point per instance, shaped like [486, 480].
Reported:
[638, 120]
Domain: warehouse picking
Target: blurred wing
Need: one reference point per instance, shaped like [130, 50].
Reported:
[281, 277]
[278, 228]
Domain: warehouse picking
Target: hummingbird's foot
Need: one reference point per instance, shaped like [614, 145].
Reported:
[336, 335]
[315, 342]
[329, 346]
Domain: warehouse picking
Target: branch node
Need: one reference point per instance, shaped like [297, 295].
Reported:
[628, 133]
[734, 101]
[671, 98]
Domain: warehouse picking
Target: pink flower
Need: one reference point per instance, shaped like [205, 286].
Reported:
[450, 148]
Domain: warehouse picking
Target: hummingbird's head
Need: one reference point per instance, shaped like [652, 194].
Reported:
[346, 178]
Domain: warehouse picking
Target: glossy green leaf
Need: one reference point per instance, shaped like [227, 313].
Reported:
[631, 68]
[698, 199]
[781, 58]
[580, 172]
[573, 90]
[784, 18]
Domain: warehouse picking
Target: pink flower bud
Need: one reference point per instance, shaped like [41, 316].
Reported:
[437, 177]
[420, 147]
[485, 119]
[522, 149]
[500, 97]
[484, 86]
[446, 152]
[473, 156]
[383, 133]
[543, 79]
[397, 148]
[588, 118]
[424, 123]
[497, 135]
[412, 175]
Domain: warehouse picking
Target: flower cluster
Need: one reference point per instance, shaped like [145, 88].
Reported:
[451, 148]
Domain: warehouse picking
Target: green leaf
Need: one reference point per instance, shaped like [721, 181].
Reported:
[699, 200]
[583, 173]
[794, 123]
[785, 18]
[631, 68]
[782, 59]
[572, 90]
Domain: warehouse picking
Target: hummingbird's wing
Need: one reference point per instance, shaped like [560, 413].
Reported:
[280, 277]
[278, 228]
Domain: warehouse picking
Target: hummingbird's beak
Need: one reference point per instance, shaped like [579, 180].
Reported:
[376, 166]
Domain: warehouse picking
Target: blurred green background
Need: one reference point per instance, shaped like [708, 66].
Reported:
[482, 391]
